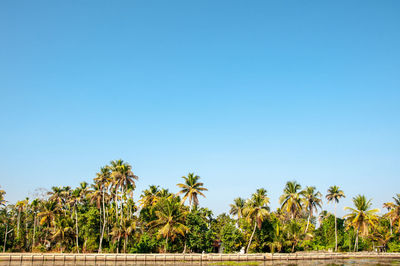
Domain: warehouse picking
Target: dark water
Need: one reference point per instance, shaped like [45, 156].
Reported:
[284, 263]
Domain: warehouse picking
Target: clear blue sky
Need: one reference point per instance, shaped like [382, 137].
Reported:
[246, 94]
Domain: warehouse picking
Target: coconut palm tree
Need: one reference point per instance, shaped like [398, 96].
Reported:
[35, 208]
[393, 213]
[21, 205]
[361, 218]
[191, 188]
[149, 196]
[335, 194]
[170, 219]
[294, 234]
[56, 195]
[77, 196]
[62, 231]
[256, 210]
[103, 181]
[291, 199]
[237, 207]
[123, 177]
[311, 201]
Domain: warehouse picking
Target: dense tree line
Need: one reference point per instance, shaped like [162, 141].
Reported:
[103, 217]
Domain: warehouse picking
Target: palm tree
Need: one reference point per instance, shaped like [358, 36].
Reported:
[49, 211]
[256, 210]
[311, 201]
[62, 229]
[294, 234]
[149, 196]
[361, 217]
[103, 180]
[77, 196]
[393, 213]
[335, 194]
[191, 188]
[170, 219]
[20, 207]
[290, 200]
[123, 177]
[56, 195]
[35, 207]
[237, 207]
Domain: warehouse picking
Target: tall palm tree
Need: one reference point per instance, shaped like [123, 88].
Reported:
[361, 217]
[78, 196]
[170, 219]
[103, 181]
[191, 188]
[393, 213]
[311, 201]
[237, 207]
[290, 200]
[20, 207]
[256, 210]
[335, 194]
[123, 177]
[35, 208]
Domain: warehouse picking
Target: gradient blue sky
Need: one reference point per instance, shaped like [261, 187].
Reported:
[246, 94]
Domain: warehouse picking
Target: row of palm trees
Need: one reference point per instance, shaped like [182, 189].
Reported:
[295, 200]
[103, 215]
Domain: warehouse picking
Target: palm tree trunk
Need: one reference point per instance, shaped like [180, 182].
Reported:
[5, 238]
[34, 232]
[335, 230]
[308, 222]
[356, 243]
[19, 220]
[166, 244]
[100, 220]
[251, 237]
[391, 226]
[116, 205]
[122, 205]
[184, 247]
[76, 230]
[104, 225]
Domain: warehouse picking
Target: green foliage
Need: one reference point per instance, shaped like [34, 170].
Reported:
[394, 246]
[232, 238]
[324, 236]
[200, 237]
[146, 244]
[103, 217]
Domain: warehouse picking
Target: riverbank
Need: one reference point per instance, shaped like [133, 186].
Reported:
[157, 258]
